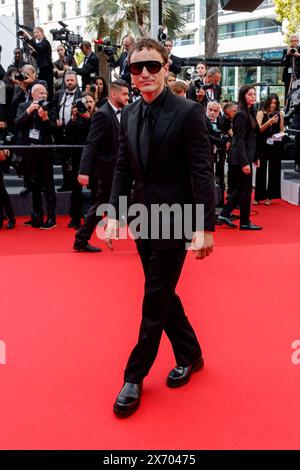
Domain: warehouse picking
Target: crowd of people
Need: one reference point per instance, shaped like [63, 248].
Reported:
[44, 105]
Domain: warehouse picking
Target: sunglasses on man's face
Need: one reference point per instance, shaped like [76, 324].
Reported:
[153, 66]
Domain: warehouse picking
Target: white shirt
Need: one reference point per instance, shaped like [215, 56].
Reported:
[66, 106]
[116, 110]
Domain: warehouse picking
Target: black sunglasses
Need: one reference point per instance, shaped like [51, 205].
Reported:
[153, 66]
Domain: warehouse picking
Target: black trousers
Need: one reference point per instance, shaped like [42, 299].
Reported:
[99, 196]
[297, 138]
[5, 202]
[76, 194]
[41, 176]
[162, 311]
[270, 168]
[240, 195]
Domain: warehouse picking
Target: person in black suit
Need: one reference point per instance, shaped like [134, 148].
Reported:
[35, 125]
[291, 63]
[213, 93]
[122, 61]
[164, 149]
[243, 152]
[98, 160]
[173, 61]
[43, 55]
[90, 66]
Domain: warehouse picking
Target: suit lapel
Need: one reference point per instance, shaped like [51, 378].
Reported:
[133, 132]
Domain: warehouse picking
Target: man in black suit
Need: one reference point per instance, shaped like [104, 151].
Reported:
[36, 125]
[122, 61]
[43, 55]
[213, 92]
[90, 64]
[173, 61]
[291, 63]
[99, 158]
[164, 148]
[63, 102]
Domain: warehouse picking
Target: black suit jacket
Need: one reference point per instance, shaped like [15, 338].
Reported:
[24, 122]
[91, 66]
[179, 168]
[287, 62]
[58, 99]
[124, 67]
[244, 148]
[100, 153]
[43, 53]
[175, 67]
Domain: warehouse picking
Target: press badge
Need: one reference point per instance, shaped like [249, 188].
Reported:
[290, 70]
[34, 134]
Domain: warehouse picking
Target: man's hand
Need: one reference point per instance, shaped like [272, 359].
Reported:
[202, 244]
[257, 163]
[111, 232]
[33, 107]
[246, 169]
[43, 114]
[83, 180]
[59, 123]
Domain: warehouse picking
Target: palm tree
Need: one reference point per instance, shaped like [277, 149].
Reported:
[28, 13]
[211, 28]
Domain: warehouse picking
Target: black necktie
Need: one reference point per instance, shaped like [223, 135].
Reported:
[145, 135]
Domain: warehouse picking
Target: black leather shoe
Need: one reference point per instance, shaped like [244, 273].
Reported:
[250, 226]
[128, 400]
[233, 217]
[85, 247]
[181, 375]
[74, 224]
[226, 221]
[50, 223]
[11, 223]
[33, 222]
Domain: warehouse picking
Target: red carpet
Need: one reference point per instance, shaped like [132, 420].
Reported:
[69, 321]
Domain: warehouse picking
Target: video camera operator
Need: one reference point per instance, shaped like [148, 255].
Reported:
[43, 54]
[90, 65]
[35, 124]
[291, 62]
[61, 65]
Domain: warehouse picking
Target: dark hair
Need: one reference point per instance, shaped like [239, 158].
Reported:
[243, 106]
[118, 84]
[104, 92]
[149, 43]
[271, 97]
[86, 44]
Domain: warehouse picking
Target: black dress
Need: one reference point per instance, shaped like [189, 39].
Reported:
[268, 175]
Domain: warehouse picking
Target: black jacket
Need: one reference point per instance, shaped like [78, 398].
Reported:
[124, 67]
[175, 67]
[287, 62]
[58, 99]
[244, 148]
[101, 150]
[43, 53]
[91, 66]
[25, 122]
[179, 168]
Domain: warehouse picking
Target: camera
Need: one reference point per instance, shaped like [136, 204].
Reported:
[68, 38]
[79, 104]
[93, 87]
[45, 105]
[109, 49]
[20, 76]
[293, 50]
[200, 86]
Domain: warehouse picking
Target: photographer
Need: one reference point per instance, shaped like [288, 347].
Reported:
[24, 81]
[76, 133]
[5, 202]
[43, 54]
[18, 61]
[174, 62]
[61, 65]
[209, 88]
[201, 70]
[291, 63]
[90, 64]
[63, 102]
[99, 90]
[35, 124]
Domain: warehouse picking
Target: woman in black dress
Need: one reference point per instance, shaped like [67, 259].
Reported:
[268, 175]
[242, 154]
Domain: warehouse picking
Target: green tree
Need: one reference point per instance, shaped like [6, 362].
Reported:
[289, 10]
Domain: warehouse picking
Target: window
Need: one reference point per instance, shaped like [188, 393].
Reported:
[78, 29]
[186, 40]
[63, 9]
[188, 12]
[249, 28]
[50, 12]
[77, 7]
[37, 16]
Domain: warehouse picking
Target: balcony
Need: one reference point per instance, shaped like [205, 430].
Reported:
[250, 32]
